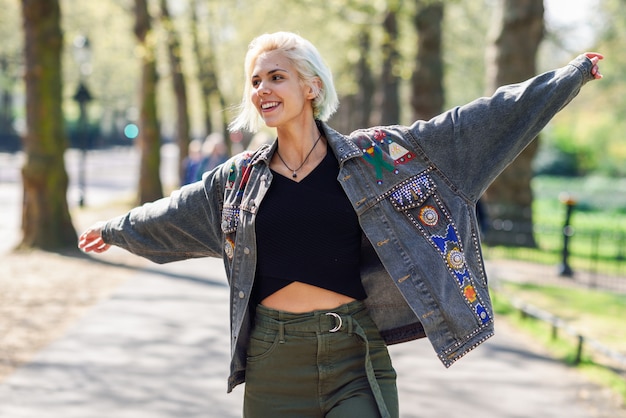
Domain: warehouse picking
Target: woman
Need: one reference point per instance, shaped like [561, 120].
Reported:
[336, 246]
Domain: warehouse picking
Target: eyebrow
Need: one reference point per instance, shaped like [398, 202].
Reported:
[270, 72]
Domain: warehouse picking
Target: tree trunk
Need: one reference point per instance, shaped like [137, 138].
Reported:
[390, 103]
[46, 221]
[208, 78]
[180, 88]
[516, 34]
[427, 81]
[149, 139]
[356, 109]
[365, 80]
[201, 65]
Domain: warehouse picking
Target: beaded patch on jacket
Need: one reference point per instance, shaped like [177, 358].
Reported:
[417, 199]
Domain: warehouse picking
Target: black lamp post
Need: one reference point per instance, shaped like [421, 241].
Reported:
[568, 231]
[82, 56]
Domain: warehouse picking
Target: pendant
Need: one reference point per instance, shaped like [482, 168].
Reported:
[294, 175]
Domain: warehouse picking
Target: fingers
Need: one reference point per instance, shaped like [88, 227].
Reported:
[91, 240]
[595, 71]
[594, 57]
[96, 246]
[88, 242]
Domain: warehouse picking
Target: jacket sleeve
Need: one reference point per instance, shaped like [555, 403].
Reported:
[184, 225]
[474, 143]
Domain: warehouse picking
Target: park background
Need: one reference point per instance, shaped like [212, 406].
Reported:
[174, 70]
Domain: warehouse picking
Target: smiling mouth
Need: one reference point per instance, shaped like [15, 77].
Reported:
[269, 105]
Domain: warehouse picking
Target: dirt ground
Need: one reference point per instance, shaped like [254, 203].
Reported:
[43, 293]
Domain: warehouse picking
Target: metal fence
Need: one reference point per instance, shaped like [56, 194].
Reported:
[565, 257]
[594, 258]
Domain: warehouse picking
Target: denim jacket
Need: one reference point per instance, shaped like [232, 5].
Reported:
[414, 190]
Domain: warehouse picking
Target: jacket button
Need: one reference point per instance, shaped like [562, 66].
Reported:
[246, 250]
[241, 294]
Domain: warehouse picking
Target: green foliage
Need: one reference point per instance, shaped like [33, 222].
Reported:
[114, 79]
[560, 154]
[598, 221]
[593, 123]
[10, 20]
[590, 131]
[466, 25]
[600, 201]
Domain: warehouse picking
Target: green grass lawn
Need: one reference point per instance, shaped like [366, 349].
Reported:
[598, 244]
[598, 220]
[593, 314]
[596, 314]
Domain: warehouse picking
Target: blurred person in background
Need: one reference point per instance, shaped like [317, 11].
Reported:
[191, 163]
[214, 153]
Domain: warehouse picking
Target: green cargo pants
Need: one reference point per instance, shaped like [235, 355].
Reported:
[331, 364]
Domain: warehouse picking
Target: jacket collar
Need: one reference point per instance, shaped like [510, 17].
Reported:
[343, 148]
[341, 145]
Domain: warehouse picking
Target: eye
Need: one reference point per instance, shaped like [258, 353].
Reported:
[255, 82]
[277, 77]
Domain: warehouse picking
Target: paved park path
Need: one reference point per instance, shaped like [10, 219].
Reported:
[158, 347]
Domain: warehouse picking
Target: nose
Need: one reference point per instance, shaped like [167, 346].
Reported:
[263, 90]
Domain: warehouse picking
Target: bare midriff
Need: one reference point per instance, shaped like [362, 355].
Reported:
[300, 297]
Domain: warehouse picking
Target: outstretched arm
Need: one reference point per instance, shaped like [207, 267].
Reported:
[472, 144]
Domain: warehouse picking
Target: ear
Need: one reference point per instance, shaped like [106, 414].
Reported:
[314, 88]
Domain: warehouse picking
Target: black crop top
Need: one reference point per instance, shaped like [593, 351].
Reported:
[308, 232]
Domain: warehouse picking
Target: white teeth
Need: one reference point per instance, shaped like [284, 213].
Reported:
[268, 105]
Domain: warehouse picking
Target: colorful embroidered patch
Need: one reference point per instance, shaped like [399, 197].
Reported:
[399, 154]
[470, 293]
[449, 247]
[229, 248]
[375, 155]
[482, 313]
[380, 135]
[430, 217]
[456, 260]
[230, 219]
[413, 193]
[232, 176]
[234, 173]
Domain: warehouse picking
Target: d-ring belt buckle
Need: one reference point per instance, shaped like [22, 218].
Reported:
[339, 322]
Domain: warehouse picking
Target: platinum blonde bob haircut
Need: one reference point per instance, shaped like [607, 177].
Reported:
[309, 65]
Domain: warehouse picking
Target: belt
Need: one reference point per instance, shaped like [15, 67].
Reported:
[341, 319]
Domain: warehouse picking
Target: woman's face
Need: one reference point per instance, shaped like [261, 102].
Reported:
[277, 92]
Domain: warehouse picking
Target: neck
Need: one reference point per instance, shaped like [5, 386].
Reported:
[299, 151]
[296, 142]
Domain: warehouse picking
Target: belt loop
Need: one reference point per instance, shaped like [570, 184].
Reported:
[350, 319]
[281, 332]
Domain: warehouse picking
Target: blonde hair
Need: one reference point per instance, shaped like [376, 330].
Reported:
[309, 65]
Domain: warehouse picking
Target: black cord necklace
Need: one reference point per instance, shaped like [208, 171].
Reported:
[294, 173]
